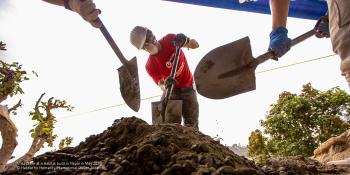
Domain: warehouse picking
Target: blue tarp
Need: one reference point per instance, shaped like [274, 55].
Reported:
[307, 9]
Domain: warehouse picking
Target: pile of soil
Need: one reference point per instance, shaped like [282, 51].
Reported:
[299, 165]
[133, 147]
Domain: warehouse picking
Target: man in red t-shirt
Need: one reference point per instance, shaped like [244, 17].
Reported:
[159, 64]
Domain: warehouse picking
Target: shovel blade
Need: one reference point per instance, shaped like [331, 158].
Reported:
[129, 84]
[233, 55]
[173, 112]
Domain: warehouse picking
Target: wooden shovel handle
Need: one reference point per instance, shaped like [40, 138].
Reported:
[172, 75]
[111, 42]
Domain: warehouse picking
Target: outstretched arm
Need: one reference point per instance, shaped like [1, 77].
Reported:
[279, 41]
[85, 8]
[279, 12]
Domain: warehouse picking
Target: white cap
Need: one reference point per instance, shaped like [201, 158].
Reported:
[138, 36]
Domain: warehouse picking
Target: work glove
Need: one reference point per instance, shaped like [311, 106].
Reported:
[161, 85]
[322, 27]
[180, 40]
[2, 46]
[192, 44]
[86, 9]
[279, 41]
[169, 82]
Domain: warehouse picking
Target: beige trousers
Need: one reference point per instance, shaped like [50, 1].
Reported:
[339, 26]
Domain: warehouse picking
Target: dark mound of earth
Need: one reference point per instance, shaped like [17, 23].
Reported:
[133, 147]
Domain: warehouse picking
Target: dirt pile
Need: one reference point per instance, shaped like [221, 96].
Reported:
[299, 165]
[133, 147]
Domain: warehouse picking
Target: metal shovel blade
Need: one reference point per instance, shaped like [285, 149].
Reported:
[233, 55]
[129, 84]
[173, 112]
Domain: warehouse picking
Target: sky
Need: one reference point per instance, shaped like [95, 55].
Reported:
[75, 63]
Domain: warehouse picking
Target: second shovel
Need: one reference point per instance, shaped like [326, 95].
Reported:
[128, 74]
[230, 69]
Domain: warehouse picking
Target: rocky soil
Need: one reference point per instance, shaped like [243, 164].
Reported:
[133, 147]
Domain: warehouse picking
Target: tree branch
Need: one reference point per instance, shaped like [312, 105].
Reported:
[37, 103]
[9, 134]
[37, 143]
[2, 46]
[19, 103]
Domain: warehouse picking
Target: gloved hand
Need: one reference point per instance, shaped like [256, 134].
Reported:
[86, 9]
[161, 85]
[192, 44]
[322, 27]
[2, 46]
[169, 81]
[279, 41]
[180, 40]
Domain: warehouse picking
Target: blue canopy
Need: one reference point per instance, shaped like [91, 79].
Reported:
[307, 9]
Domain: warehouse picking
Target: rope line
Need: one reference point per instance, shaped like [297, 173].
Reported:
[290, 65]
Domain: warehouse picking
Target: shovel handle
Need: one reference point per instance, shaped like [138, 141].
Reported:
[111, 42]
[269, 55]
[303, 37]
[172, 75]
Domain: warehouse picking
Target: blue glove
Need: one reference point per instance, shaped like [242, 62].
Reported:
[322, 27]
[279, 41]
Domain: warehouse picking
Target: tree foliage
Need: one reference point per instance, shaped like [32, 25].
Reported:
[297, 124]
[65, 142]
[45, 119]
[257, 147]
[11, 75]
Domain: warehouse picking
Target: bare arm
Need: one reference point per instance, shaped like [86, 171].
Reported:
[279, 11]
[192, 44]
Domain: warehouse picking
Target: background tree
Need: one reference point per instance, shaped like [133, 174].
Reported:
[2, 46]
[11, 75]
[297, 124]
[257, 147]
[65, 142]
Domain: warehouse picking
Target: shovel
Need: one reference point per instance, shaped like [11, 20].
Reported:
[128, 74]
[166, 110]
[229, 70]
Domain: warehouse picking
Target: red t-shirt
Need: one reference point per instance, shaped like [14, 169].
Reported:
[159, 66]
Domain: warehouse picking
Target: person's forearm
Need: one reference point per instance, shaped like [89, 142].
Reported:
[279, 12]
[86, 9]
[56, 2]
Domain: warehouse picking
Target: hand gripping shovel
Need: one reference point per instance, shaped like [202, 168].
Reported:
[167, 110]
[229, 70]
[128, 74]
